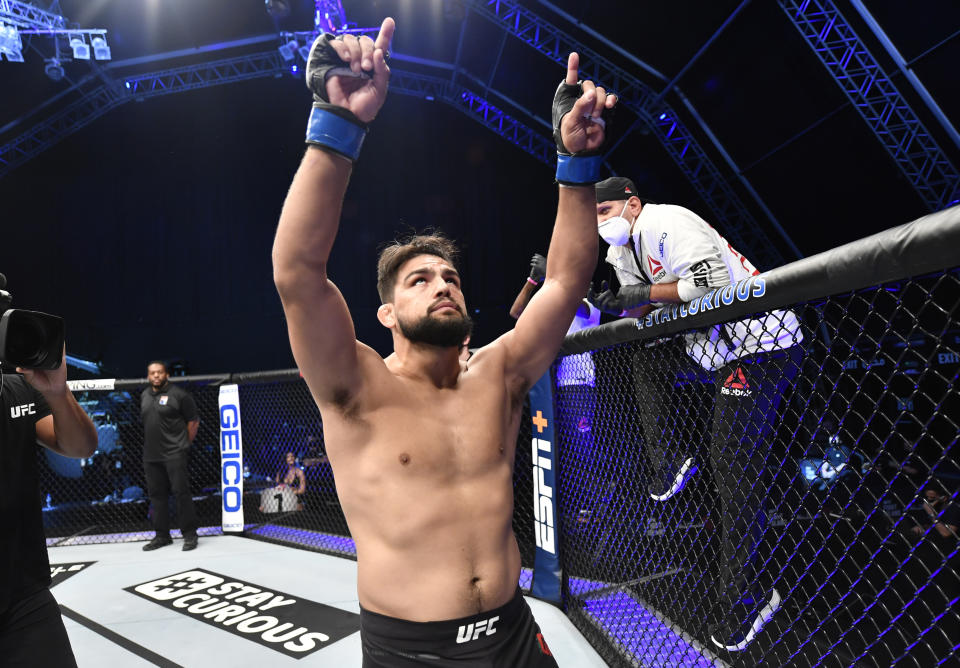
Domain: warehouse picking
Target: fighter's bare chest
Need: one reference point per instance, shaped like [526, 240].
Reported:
[441, 433]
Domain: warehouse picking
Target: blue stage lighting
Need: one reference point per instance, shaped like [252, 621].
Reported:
[304, 52]
[100, 49]
[81, 50]
[11, 45]
[289, 50]
[662, 117]
[278, 9]
[54, 69]
[293, 69]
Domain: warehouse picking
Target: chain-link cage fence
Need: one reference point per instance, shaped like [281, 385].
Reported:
[791, 461]
[104, 498]
[779, 489]
[289, 496]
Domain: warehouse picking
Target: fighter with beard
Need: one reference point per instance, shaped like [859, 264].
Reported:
[421, 443]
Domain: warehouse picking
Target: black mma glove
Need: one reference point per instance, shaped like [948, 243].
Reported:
[331, 126]
[538, 269]
[630, 296]
[583, 167]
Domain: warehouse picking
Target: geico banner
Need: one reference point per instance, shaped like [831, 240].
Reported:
[231, 458]
[288, 624]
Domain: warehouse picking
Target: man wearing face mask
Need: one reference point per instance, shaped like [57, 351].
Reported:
[667, 254]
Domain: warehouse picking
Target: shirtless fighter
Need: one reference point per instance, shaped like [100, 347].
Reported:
[421, 443]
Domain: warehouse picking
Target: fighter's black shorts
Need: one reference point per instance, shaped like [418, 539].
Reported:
[506, 637]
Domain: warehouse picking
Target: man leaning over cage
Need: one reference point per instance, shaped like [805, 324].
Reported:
[665, 254]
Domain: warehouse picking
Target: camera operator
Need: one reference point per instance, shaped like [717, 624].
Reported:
[37, 407]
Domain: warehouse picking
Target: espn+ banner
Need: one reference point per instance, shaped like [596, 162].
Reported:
[231, 459]
[546, 567]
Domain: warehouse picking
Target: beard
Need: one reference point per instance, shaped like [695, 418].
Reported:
[446, 332]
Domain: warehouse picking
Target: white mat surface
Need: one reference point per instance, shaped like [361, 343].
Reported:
[97, 594]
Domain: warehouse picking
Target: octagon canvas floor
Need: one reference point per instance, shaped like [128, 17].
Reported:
[231, 602]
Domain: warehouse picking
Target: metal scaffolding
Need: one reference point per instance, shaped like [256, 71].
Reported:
[204, 75]
[877, 99]
[25, 15]
[726, 207]
[478, 108]
[21, 18]
[868, 87]
[95, 98]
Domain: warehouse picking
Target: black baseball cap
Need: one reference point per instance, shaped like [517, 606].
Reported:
[619, 188]
[615, 188]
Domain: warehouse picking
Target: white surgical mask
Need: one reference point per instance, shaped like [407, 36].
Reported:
[616, 230]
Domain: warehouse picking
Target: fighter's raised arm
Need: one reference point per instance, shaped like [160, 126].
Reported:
[348, 77]
[581, 112]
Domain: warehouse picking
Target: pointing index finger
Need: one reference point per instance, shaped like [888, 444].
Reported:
[386, 35]
[573, 64]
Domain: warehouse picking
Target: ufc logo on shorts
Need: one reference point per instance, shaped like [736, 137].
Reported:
[470, 632]
[20, 411]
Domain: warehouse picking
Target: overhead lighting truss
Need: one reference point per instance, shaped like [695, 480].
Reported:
[737, 222]
[475, 106]
[22, 18]
[877, 99]
[203, 75]
[25, 15]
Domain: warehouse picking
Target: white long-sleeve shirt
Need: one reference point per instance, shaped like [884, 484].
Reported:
[673, 244]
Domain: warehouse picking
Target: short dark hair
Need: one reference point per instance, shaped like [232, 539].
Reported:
[161, 363]
[394, 254]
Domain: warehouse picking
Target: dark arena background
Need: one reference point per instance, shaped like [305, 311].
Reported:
[140, 188]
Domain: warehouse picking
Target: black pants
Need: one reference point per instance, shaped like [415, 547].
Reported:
[32, 634]
[507, 637]
[162, 479]
[673, 402]
[748, 396]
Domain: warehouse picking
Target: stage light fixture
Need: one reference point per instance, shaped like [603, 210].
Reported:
[81, 50]
[54, 69]
[100, 49]
[278, 9]
[11, 45]
[304, 52]
[289, 50]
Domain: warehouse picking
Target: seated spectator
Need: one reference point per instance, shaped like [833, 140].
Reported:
[289, 480]
[941, 512]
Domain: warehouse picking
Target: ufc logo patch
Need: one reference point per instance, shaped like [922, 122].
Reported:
[469, 632]
[22, 410]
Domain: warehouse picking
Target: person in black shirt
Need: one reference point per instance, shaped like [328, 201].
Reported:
[170, 424]
[35, 407]
[941, 513]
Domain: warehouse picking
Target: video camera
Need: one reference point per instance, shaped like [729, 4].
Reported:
[28, 339]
